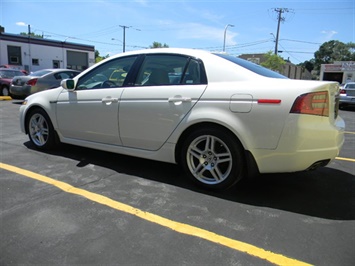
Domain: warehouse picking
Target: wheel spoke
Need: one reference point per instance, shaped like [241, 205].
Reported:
[216, 173]
[196, 152]
[199, 170]
[209, 143]
[224, 157]
[41, 138]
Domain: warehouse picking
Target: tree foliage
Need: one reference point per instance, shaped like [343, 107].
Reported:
[32, 34]
[99, 58]
[159, 45]
[308, 64]
[332, 51]
[273, 62]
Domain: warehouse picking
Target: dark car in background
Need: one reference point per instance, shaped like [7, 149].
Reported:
[347, 94]
[45, 79]
[6, 76]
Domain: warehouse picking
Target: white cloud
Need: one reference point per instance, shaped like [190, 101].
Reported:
[329, 34]
[21, 24]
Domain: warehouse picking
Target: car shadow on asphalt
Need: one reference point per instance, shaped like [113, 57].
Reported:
[325, 192]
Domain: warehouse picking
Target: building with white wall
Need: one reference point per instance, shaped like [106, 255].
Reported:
[32, 54]
[341, 71]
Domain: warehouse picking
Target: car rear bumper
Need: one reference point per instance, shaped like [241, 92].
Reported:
[20, 90]
[347, 100]
[303, 146]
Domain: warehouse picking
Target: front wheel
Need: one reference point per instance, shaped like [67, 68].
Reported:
[40, 129]
[213, 158]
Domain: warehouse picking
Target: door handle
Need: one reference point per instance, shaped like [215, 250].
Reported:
[179, 99]
[109, 100]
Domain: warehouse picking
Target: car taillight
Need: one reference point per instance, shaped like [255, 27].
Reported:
[342, 91]
[32, 82]
[316, 103]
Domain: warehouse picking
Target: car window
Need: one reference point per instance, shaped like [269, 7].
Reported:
[108, 75]
[64, 75]
[168, 70]
[40, 73]
[350, 86]
[252, 67]
[9, 74]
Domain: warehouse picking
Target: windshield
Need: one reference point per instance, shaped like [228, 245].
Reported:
[252, 67]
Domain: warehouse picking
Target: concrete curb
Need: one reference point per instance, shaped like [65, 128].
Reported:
[5, 98]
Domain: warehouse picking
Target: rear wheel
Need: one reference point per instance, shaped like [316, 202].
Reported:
[40, 129]
[4, 91]
[213, 158]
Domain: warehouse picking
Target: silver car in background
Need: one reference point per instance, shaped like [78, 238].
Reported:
[23, 86]
[347, 94]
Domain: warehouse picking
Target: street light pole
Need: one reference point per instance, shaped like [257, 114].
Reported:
[225, 32]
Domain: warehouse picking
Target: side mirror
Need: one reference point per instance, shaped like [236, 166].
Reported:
[68, 84]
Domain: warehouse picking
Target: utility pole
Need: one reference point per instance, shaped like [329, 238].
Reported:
[279, 19]
[124, 36]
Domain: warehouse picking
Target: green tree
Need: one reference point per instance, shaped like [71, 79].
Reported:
[99, 58]
[273, 62]
[351, 46]
[308, 64]
[32, 34]
[333, 51]
[159, 45]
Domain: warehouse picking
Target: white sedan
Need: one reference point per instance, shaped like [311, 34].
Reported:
[220, 117]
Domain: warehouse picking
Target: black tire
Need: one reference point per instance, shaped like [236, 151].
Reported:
[40, 129]
[213, 158]
[4, 91]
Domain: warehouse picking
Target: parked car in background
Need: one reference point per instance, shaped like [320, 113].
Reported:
[6, 76]
[45, 79]
[220, 117]
[347, 94]
[14, 67]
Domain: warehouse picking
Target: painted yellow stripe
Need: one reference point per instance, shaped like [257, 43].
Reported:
[345, 159]
[275, 258]
[5, 98]
[349, 132]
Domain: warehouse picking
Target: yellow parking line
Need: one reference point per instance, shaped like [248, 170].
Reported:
[5, 98]
[349, 132]
[345, 159]
[275, 258]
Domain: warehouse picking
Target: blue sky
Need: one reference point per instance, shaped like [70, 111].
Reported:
[186, 23]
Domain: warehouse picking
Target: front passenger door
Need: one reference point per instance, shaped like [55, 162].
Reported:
[90, 112]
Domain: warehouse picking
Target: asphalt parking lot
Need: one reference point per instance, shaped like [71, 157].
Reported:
[77, 206]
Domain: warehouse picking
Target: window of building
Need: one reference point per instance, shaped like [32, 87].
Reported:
[35, 61]
[14, 55]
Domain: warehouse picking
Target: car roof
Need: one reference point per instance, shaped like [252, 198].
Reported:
[213, 63]
[183, 51]
[57, 69]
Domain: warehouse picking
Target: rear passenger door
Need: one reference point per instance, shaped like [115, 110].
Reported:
[166, 88]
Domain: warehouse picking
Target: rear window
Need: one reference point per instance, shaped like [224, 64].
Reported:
[252, 67]
[40, 73]
[9, 74]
